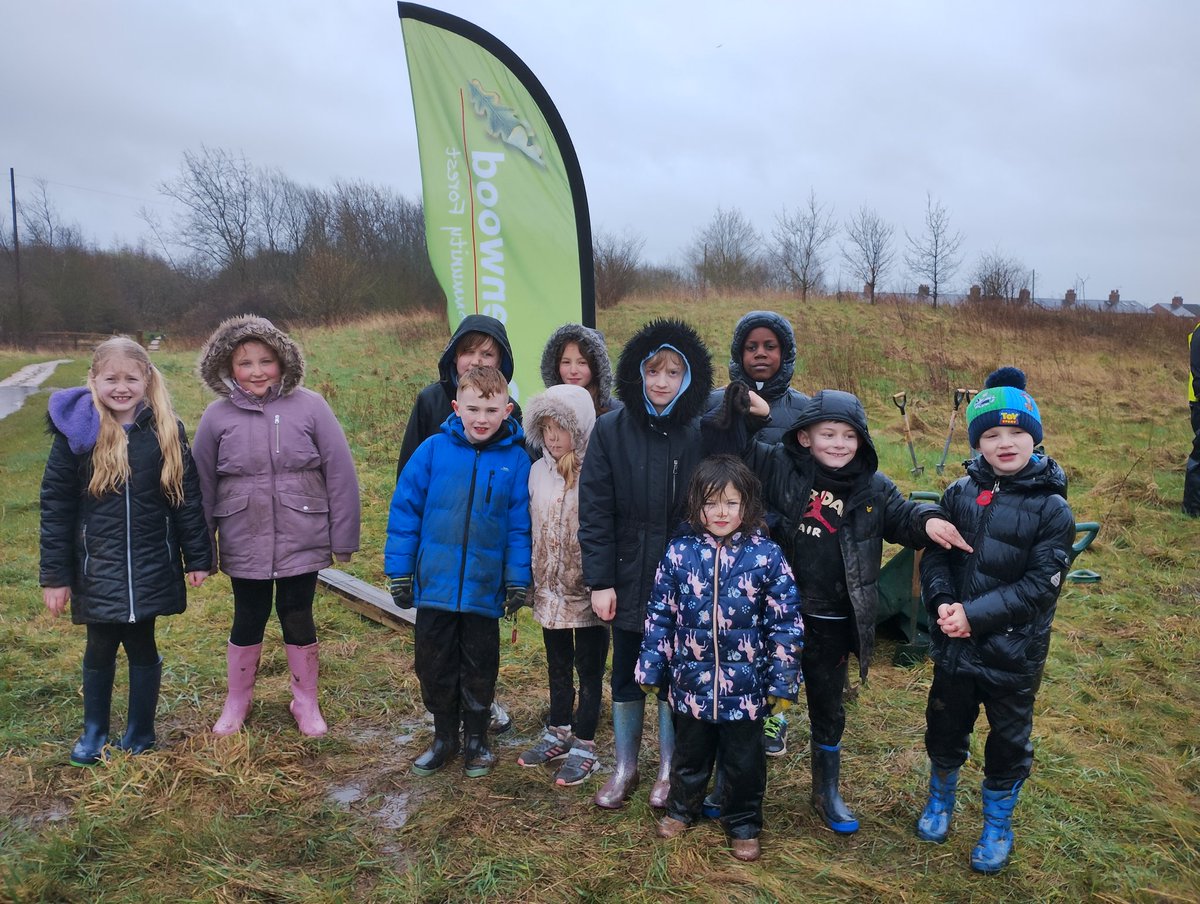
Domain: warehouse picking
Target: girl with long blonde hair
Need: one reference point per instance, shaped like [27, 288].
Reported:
[122, 523]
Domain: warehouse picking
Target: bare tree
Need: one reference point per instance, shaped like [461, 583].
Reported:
[616, 261]
[934, 255]
[870, 252]
[725, 253]
[43, 223]
[1000, 276]
[799, 237]
[217, 191]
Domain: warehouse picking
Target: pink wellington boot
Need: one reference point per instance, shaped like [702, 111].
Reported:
[242, 667]
[303, 662]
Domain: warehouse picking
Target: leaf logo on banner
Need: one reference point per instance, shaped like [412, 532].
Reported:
[504, 122]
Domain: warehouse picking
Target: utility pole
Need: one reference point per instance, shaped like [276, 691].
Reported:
[20, 312]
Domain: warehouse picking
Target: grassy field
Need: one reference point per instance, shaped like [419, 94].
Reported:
[1112, 812]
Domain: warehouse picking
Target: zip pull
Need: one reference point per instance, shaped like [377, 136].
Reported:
[985, 496]
[276, 434]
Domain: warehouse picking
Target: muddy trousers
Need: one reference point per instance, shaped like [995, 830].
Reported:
[581, 651]
[828, 643]
[738, 748]
[457, 658]
[950, 715]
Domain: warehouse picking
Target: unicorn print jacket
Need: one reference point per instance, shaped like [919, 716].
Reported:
[723, 629]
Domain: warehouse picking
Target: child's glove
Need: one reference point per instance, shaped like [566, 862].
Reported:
[649, 690]
[402, 591]
[778, 704]
[514, 599]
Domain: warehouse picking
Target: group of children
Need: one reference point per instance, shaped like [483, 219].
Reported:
[727, 556]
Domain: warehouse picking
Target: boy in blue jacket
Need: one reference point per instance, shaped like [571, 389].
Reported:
[458, 548]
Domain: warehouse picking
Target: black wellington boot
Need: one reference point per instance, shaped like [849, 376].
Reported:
[97, 704]
[444, 747]
[478, 759]
[144, 683]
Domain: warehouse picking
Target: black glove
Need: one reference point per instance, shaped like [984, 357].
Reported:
[514, 599]
[402, 591]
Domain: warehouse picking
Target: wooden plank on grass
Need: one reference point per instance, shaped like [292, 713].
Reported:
[366, 599]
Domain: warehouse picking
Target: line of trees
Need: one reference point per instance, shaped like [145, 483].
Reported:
[247, 238]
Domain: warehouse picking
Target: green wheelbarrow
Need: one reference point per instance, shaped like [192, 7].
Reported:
[900, 603]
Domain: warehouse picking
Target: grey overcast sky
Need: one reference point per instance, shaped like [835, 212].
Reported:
[1065, 134]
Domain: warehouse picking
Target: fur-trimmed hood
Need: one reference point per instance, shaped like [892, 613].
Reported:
[213, 363]
[570, 406]
[779, 325]
[591, 343]
[644, 343]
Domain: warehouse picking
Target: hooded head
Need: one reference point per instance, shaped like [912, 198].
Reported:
[777, 384]
[214, 364]
[475, 323]
[841, 407]
[673, 335]
[591, 344]
[570, 406]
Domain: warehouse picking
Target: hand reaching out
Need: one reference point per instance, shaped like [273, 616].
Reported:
[946, 535]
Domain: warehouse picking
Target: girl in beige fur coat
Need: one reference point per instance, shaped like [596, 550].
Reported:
[559, 422]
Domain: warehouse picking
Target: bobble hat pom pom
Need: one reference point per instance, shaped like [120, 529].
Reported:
[1003, 403]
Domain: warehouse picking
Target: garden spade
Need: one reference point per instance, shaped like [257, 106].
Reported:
[901, 400]
[959, 395]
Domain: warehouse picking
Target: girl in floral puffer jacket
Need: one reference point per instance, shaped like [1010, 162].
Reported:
[723, 633]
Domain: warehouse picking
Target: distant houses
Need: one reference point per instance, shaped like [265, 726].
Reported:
[1177, 309]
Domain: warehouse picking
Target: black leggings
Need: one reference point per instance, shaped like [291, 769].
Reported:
[581, 650]
[293, 603]
[103, 640]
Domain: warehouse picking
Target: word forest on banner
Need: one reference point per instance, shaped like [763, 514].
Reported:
[506, 217]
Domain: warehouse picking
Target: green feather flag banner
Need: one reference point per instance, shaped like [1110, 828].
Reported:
[506, 217]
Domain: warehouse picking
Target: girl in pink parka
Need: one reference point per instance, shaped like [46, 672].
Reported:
[559, 422]
[281, 495]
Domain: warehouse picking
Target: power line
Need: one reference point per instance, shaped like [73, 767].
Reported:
[98, 191]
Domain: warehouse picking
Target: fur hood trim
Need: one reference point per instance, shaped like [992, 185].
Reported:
[591, 343]
[213, 363]
[570, 406]
[645, 342]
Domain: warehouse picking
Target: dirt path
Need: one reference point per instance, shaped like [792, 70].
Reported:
[33, 374]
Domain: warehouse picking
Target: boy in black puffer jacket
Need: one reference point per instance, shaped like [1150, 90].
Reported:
[990, 611]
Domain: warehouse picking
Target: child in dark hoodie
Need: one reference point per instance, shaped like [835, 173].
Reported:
[631, 499]
[835, 511]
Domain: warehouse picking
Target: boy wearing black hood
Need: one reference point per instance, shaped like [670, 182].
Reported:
[631, 498]
[835, 511]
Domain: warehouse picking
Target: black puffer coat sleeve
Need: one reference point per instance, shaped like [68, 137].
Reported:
[188, 519]
[62, 490]
[598, 508]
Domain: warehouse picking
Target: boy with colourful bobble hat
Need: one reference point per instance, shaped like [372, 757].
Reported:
[990, 610]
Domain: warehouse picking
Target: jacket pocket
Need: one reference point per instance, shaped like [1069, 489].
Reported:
[311, 504]
[231, 505]
[1009, 649]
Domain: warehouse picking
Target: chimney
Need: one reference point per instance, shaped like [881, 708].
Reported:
[1069, 298]
[1023, 296]
[922, 291]
[1114, 297]
[1177, 302]
[976, 293]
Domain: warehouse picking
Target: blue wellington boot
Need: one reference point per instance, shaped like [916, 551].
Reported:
[991, 853]
[826, 768]
[97, 704]
[934, 824]
[144, 683]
